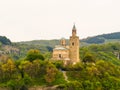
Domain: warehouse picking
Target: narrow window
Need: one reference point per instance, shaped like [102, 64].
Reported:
[59, 55]
[73, 44]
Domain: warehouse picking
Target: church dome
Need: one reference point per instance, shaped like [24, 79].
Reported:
[60, 48]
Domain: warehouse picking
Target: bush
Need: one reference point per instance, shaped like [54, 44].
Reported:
[73, 85]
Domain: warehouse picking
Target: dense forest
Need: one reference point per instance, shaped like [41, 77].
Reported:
[26, 65]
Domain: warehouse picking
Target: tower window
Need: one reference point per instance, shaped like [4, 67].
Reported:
[73, 44]
[59, 55]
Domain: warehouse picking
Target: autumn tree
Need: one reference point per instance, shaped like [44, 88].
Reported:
[32, 69]
[9, 69]
[51, 72]
[1, 73]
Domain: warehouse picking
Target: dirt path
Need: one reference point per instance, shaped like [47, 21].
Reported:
[65, 76]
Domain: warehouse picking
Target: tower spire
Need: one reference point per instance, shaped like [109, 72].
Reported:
[74, 30]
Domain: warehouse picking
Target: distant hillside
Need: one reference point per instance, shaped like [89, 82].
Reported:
[112, 37]
[45, 43]
[104, 38]
[42, 42]
[48, 45]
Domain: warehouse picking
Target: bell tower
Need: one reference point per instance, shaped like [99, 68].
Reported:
[74, 46]
[63, 42]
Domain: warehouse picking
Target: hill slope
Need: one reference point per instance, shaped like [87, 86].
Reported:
[112, 37]
[104, 38]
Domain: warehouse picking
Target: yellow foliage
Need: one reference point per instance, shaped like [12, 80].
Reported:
[9, 66]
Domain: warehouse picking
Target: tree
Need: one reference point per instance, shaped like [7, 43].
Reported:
[88, 85]
[34, 55]
[5, 40]
[51, 72]
[78, 66]
[1, 73]
[32, 69]
[72, 85]
[58, 64]
[9, 69]
[23, 66]
[88, 58]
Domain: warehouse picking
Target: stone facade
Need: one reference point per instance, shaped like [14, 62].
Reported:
[61, 52]
[68, 53]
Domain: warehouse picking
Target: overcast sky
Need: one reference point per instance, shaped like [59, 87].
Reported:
[24, 20]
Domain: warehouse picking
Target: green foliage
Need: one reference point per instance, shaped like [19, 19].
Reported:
[75, 67]
[59, 79]
[34, 55]
[88, 58]
[58, 64]
[88, 85]
[73, 85]
[25, 48]
[0, 45]
[101, 76]
[101, 52]
[78, 66]
[48, 55]
[95, 40]
[98, 70]
[16, 85]
[4, 40]
[111, 36]
[23, 74]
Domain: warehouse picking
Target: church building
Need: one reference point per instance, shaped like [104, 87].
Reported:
[68, 53]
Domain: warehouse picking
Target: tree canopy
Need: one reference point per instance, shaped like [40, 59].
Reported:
[34, 55]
